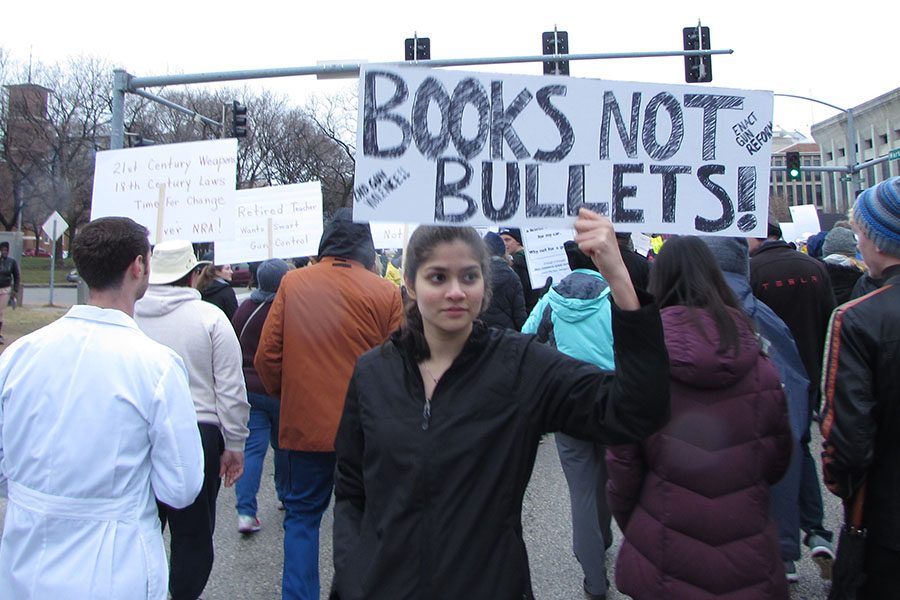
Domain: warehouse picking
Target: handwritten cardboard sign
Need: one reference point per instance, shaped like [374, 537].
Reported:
[455, 147]
[196, 179]
[545, 254]
[282, 221]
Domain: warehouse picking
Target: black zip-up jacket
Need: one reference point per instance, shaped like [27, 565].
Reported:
[861, 388]
[428, 496]
[797, 287]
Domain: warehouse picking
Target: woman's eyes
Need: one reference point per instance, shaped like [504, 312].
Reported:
[466, 277]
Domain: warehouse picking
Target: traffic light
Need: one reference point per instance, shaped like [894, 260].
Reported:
[238, 120]
[697, 69]
[555, 42]
[792, 161]
[416, 48]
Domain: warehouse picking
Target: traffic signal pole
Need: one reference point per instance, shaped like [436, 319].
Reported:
[852, 168]
[124, 83]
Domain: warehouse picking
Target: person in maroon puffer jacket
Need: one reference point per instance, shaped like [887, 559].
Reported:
[693, 499]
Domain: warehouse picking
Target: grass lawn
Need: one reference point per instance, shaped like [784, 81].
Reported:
[23, 321]
[36, 270]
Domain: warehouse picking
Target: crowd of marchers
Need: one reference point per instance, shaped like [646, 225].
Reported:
[415, 387]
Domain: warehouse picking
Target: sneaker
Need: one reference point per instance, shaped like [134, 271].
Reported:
[790, 571]
[248, 524]
[822, 553]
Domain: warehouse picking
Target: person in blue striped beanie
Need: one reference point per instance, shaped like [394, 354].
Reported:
[877, 215]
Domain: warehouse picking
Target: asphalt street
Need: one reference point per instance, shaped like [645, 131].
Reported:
[249, 567]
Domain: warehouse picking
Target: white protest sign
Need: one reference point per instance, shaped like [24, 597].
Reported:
[455, 147]
[281, 221]
[806, 219]
[545, 254]
[54, 226]
[391, 235]
[641, 242]
[196, 178]
[789, 232]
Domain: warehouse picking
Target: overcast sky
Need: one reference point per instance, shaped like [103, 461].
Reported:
[787, 47]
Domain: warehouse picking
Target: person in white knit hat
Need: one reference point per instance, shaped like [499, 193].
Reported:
[172, 313]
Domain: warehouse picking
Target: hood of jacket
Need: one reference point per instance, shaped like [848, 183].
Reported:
[693, 341]
[342, 238]
[579, 295]
[162, 299]
[214, 288]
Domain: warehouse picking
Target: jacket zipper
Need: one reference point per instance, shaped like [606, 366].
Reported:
[426, 413]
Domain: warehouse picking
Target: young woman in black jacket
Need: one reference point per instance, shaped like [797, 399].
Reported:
[214, 285]
[441, 424]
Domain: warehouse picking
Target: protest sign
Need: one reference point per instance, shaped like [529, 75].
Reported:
[789, 232]
[196, 179]
[806, 220]
[283, 221]
[545, 254]
[641, 242]
[455, 147]
[391, 236]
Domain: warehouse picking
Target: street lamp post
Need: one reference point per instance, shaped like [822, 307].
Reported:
[852, 166]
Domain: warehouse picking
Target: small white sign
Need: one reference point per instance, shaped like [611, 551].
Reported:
[61, 226]
[545, 254]
[806, 220]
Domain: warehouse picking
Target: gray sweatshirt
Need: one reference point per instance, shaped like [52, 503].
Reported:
[202, 335]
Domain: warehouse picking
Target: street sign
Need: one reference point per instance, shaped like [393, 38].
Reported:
[895, 154]
[54, 226]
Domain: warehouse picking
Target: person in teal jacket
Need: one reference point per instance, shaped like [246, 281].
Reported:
[575, 316]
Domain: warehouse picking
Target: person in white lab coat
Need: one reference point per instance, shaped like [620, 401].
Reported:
[96, 422]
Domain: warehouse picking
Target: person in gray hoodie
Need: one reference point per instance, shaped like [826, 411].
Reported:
[575, 317]
[172, 313]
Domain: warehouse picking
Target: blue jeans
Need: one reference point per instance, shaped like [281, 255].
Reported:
[310, 481]
[263, 426]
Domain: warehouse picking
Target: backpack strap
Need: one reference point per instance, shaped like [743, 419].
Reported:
[545, 333]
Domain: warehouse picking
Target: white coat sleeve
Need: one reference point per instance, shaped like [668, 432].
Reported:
[232, 407]
[176, 453]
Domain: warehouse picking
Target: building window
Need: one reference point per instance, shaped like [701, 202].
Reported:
[809, 194]
[882, 139]
[830, 156]
[842, 152]
[886, 170]
[819, 200]
[867, 144]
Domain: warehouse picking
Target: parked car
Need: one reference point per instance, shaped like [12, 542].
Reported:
[240, 276]
[73, 276]
[39, 252]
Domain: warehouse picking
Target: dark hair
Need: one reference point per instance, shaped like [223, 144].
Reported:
[4, 245]
[421, 245]
[577, 258]
[687, 274]
[104, 248]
